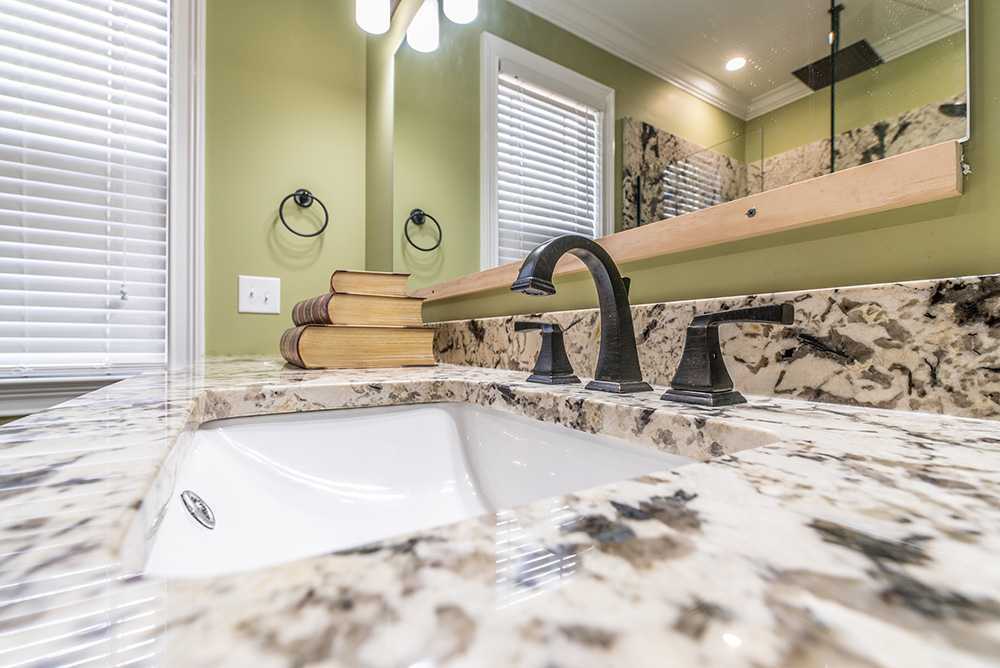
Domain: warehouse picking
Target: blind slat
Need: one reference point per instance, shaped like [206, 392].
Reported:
[689, 185]
[568, 168]
[74, 286]
[522, 170]
[535, 134]
[557, 207]
[91, 74]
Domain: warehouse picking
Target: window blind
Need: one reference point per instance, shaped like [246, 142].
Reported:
[84, 108]
[690, 184]
[548, 167]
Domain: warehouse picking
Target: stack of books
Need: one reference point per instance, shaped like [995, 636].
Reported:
[366, 320]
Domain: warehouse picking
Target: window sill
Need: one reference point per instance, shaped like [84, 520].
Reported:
[23, 396]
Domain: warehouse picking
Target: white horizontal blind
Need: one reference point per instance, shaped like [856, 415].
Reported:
[549, 167]
[83, 184]
[690, 184]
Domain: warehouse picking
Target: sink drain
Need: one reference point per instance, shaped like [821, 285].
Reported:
[198, 509]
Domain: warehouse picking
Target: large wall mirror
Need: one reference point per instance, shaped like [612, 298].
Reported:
[549, 116]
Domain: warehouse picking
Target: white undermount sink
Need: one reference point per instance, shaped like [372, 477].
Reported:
[285, 487]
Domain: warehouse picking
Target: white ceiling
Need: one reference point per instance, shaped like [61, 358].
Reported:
[688, 42]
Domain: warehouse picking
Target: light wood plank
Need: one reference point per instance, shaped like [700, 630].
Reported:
[918, 177]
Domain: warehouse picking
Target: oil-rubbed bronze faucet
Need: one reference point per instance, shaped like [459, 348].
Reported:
[618, 361]
[702, 378]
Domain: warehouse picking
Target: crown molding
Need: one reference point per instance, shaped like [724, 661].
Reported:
[921, 34]
[622, 42]
[776, 98]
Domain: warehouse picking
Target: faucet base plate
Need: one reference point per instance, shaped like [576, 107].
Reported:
[698, 398]
[563, 379]
[619, 388]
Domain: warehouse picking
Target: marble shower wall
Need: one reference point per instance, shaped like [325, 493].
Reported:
[664, 175]
[923, 126]
[927, 345]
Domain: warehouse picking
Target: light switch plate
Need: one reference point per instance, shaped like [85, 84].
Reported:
[260, 294]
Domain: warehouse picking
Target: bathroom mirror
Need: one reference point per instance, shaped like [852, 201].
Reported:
[543, 117]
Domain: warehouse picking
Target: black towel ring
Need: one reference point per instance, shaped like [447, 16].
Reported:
[418, 217]
[304, 199]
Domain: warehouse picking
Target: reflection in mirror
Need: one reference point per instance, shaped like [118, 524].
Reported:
[543, 117]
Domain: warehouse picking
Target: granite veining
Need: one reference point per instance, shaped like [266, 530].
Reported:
[811, 534]
[925, 345]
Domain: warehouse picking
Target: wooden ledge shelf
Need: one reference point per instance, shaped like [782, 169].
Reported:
[918, 177]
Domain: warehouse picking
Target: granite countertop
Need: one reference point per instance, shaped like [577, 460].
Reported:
[811, 535]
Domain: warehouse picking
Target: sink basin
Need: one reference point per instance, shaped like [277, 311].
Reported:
[284, 487]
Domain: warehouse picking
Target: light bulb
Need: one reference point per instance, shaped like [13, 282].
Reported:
[461, 11]
[424, 33]
[372, 16]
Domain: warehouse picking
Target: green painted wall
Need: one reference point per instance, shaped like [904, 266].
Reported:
[285, 108]
[929, 74]
[437, 126]
[950, 238]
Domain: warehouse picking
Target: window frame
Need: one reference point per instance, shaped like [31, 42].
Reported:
[185, 228]
[186, 203]
[559, 79]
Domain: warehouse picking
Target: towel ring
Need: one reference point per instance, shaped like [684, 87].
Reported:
[304, 199]
[418, 217]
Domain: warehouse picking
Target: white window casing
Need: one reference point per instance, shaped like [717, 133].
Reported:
[547, 153]
[94, 154]
[186, 285]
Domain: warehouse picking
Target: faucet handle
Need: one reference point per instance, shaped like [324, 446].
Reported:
[702, 378]
[553, 366]
[546, 327]
[779, 314]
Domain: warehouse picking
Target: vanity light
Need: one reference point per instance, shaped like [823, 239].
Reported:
[736, 64]
[424, 33]
[372, 16]
[461, 11]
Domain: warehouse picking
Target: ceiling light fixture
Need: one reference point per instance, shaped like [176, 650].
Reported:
[424, 33]
[372, 16]
[735, 64]
[461, 11]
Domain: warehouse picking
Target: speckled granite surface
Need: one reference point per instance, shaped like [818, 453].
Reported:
[925, 345]
[813, 535]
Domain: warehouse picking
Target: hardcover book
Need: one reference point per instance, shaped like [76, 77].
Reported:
[357, 347]
[385, 284]
[350, 309]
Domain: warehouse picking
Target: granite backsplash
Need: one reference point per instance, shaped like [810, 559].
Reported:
[930, 345]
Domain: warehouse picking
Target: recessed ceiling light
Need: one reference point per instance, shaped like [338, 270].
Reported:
[737, 63]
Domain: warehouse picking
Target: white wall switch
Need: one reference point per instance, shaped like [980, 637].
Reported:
[260, 294]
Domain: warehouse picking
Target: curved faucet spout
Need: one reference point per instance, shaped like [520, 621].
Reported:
[618, 361]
